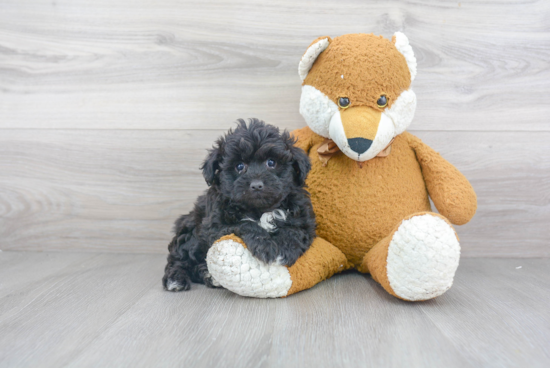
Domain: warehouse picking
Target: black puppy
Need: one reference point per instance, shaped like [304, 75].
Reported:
[256, 177]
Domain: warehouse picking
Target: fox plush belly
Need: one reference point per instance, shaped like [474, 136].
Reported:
[355, 206]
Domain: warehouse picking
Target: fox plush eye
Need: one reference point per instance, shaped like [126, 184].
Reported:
[343, 102]
[270, 163]
[240, 167]
[382, 101]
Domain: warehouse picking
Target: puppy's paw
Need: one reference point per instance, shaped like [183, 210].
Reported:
[175, 280]
[261, 246]
[173, 285]
[236, 269]
[205, 277]
[288, 258]
[211, 282]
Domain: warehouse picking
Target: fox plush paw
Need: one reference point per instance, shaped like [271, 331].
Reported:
[233, 266]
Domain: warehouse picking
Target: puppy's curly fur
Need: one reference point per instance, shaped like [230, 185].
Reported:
[256, 179]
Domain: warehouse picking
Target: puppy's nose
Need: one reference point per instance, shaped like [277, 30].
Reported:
[359, 145]
[257, 185]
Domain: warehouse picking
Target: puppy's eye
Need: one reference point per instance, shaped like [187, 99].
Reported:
[240, 167]
[271, 164]
[343, 102]
[382, 101]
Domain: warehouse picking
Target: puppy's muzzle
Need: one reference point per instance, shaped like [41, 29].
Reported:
[257, 185]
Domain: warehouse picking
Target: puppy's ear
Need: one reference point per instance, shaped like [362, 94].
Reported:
[211, 165]
[301, 165]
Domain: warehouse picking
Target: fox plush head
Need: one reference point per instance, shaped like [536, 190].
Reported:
[356, 91]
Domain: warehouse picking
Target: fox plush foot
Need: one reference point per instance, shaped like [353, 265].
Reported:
[233, 266]
[236, 269]
[418, 260]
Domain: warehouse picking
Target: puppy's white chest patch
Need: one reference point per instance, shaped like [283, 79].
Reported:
[267, 221]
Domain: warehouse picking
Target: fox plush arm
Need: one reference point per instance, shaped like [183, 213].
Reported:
[450, 191]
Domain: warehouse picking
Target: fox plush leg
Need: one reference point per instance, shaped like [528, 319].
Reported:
[233, 266]
[418, 260]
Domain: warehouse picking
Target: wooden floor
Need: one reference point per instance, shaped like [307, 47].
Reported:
[109, 310]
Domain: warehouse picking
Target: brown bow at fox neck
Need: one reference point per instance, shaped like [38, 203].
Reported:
[329, 149]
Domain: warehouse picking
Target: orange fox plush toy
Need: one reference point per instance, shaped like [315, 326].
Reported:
[370, 181]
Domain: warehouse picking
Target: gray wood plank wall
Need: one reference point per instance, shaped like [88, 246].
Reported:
[106, 108]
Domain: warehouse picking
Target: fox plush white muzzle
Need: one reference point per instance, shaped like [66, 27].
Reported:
[360, 132]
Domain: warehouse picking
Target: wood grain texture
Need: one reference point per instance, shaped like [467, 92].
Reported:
[511, 323]
[106, 107]
[109, 310]
[58, 314]
[17, 273]
[97, 191]
[185, 64]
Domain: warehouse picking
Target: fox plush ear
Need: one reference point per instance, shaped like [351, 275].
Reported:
[211, 165]
[313, 51]
[401, 43]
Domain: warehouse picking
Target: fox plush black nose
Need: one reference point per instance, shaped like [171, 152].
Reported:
[359, 145]
[257, 185]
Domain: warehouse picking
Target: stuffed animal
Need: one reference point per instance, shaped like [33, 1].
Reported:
[370, 181]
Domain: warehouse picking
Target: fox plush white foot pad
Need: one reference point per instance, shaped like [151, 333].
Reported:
[236, 269]
[422, 258]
